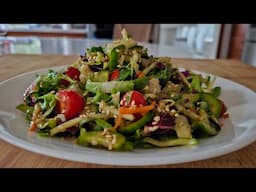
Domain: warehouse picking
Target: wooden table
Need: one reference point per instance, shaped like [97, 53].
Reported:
[12, 156]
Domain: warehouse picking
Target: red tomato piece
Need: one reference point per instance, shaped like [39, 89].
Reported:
[223, 108]
[114, 75]
[226, 115]
[73, 73]
[132, 98]
[70, 103]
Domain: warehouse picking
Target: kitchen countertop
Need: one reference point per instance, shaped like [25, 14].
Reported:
[14, 64]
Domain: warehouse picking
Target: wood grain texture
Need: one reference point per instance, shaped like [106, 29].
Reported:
[237, 40]
[46, 34]
[12, 156]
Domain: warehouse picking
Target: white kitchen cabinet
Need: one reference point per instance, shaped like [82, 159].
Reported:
[202, 39]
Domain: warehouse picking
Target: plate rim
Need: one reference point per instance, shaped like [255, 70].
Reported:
[229, 148]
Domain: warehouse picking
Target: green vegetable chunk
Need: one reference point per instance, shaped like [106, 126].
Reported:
[100, 97]
[204, 125]
[196, 84]
[213, 103]
[26, 109]
[96, 49]
[182, 127]
[102, 123]
[191, 97]
[131, 128]
[216, 91]
[113, 62]
[100, 76]
[98, 139]
[170, 142]
[128, 146]
[110, 86]
[140, 83]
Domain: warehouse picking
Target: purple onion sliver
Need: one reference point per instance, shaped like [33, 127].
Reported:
[194, 91]
[186, 100]
[160, 65]
[166, 121]
[186, 73]
[163, 131]
[96, 68]
[72, 130]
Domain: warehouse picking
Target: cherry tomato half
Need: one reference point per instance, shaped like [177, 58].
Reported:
[73, 73]
[223, 108]
[70, 103]
[114, 75]
[133, 98]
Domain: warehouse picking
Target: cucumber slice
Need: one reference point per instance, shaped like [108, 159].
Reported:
[171, 142]
[101, 76]
[182, 127]
[191, 97]
[204, 125]
[213, 103]
[109, 86]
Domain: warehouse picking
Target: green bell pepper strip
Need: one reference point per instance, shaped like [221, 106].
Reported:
[96, 49]
[128, 146]
[102, 123]
[100, 96]
[114, 55]
[113, 60]
[96, 138]
[49, 123]
[124, 74]
[140, 83]
[196, 83]
[131, 128]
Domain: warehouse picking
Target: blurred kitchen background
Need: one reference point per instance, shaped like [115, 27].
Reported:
[208, 41]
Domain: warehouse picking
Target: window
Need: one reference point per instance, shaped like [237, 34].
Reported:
[70, 30]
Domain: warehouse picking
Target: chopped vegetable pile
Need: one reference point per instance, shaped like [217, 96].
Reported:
[118, 97]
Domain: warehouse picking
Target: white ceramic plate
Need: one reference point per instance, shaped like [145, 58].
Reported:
[238, 131]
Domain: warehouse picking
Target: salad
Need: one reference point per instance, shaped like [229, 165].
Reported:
[117, 97]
